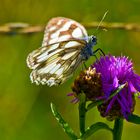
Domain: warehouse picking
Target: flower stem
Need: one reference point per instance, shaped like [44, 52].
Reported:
[82, 114]
[117, 130]
[25, 28]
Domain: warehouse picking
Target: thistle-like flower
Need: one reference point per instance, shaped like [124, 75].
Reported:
[88, 82]
[109, 73]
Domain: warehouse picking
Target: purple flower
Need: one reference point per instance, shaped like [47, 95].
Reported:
[116, 71]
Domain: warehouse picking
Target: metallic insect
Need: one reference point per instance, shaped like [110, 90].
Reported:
[65, 46]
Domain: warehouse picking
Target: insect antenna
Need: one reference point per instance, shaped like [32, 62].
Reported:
[97, 31]
[99, 25]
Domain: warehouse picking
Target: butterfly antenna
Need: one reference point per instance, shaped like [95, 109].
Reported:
[101, 21]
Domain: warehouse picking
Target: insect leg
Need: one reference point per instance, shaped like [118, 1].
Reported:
[100, 52]
[85, 65]
[95, 56]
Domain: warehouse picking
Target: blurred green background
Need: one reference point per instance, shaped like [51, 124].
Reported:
[24, 107]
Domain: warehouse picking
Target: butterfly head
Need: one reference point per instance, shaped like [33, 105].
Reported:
[92, 40]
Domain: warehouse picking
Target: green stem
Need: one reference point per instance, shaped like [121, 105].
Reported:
[82, 114]
[117, 130]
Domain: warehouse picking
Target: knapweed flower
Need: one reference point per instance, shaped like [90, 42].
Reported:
[112, 72]
[116, 71]
[88, 82]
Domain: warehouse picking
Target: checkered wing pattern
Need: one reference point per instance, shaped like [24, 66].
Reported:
[62, 29]
[60, 54]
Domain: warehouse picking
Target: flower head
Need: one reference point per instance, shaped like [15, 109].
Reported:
[88, 82]
[116, 71]
[102, 79]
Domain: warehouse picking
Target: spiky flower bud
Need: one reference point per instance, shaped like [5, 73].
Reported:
[88, 82]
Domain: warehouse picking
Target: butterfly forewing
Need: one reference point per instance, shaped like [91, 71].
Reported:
[62, 29]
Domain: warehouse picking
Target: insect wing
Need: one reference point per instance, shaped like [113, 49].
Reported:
[62, 29]
[55, 63]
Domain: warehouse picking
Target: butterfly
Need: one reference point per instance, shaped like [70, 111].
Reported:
[65, 46]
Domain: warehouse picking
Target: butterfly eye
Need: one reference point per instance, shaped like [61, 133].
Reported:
[94, 39]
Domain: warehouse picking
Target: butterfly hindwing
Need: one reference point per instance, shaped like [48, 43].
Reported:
[54, 63]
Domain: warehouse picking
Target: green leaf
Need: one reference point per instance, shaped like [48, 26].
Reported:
[67, 129]
[134, 119]
[94, 104]
[99, 102]
[117, 91]
[95, 127]
[137, 94]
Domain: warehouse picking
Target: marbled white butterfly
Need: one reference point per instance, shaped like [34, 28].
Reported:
[65, 46]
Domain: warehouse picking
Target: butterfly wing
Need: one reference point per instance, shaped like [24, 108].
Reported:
[60, 53]
[62, 29]
[55, 63]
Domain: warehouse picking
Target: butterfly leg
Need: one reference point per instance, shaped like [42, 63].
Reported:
[84, 65]
[95, 56]
[100, 51]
